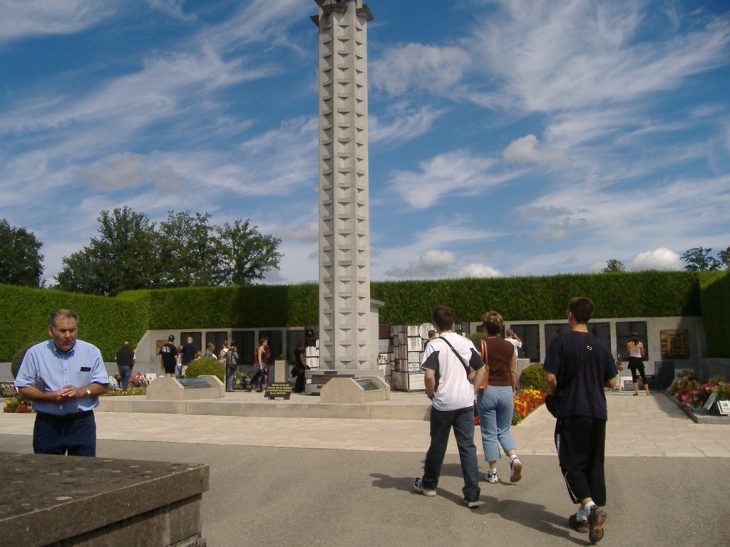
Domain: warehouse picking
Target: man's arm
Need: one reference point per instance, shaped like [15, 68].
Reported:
[552, 382]
[478, 377]
[32, 393]
[429, 381]
[610, 383]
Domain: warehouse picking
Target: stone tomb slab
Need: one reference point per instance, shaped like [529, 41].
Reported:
[46, 500]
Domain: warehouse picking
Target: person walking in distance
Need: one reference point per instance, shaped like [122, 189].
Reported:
[125, 361]
[577, 367]
[168, 356]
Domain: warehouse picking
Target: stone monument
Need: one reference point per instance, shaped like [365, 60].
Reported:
[346, 331]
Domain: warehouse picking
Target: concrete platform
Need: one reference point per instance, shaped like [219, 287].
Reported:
[401, 406]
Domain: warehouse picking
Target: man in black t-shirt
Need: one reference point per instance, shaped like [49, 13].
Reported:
[168, 356]
[188, 354]
[580, 366]
[125, 361]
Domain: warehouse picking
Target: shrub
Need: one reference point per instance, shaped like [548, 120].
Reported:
[206, 366]
[533, 377]
[18, 358]
[476, 338]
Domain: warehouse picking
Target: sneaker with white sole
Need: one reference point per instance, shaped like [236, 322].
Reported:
[515, 466]
[596, 518]
[491, 477]
[418, 487]
[473, 504]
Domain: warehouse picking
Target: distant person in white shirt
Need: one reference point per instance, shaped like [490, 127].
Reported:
[513, 339]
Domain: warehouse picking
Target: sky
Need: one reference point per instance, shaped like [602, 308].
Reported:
[507, 138]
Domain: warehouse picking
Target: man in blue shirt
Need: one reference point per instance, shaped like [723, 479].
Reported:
[63, 377]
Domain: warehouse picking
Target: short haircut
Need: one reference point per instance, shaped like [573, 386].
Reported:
[509, 332]
[492, 322]
[62, 313]
[233, 344]
[299, 344]
[443, 318]
[582, 308]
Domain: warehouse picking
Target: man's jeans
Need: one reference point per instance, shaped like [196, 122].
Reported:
[124, 373]
[462, 421]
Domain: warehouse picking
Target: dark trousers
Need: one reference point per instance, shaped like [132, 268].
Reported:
[75, 434]
[581, 445]
[462, 421]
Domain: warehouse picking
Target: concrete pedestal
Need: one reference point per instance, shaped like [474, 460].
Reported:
[95, 502]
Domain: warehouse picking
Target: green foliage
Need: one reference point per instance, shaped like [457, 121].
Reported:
[699, 259]
[206, 366]
[658, 294]
[476, 338]
[715, 298]
[20, 260]
[533, 376]
[18, 358]
[614, 265]
[186, 251]
[104, 322]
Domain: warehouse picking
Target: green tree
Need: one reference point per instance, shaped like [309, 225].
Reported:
[20, 260]
[699, 259]
[246, 254]
[614, 265]
[724, 257]
[125, 256]
[189, 250]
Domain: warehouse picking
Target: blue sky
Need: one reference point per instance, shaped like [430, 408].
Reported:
[507, 138]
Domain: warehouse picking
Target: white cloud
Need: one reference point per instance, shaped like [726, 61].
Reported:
[659, 259]
[115, 172]
[173, 8]
[417, 66]
[457, 172]
[303, 232]
[22, 18]
[525, 149]
[478, 270]
[432, 263]
[405, 126]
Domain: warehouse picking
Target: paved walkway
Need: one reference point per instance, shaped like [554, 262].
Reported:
[643, 426]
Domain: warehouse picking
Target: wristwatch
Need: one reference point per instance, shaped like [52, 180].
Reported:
[88, 392]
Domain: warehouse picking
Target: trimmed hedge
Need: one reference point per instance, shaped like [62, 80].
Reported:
[104, 322]
[206, 366]
[715, 298]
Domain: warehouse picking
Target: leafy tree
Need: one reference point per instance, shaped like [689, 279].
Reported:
[724, 257]
[699, 259]
[614, 265]
[125, 256]
[246, 254]
[20, 261]
[186, 250]
[189, 251]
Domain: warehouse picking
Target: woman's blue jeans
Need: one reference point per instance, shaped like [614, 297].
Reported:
[496, 406]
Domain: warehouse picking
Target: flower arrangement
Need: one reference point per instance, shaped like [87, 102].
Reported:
[129, 391]
[526, 401]
[16, 404]
[693, 393]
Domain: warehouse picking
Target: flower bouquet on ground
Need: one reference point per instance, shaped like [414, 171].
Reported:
[693, 393]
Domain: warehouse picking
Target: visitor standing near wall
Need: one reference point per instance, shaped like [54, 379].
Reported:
[577, 368]
[187, 353]
[453, 372]
[260, 365]
[495, 400]
[223, 351]
[231, 365]
[210, 350]
[168, 356]
[63, 377]
[635, 349]
[513, 339]
[125, 359]
[300, 368]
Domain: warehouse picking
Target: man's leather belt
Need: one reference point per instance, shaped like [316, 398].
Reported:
[66, 417]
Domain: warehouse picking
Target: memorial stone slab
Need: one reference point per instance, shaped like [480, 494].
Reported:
[67, 500]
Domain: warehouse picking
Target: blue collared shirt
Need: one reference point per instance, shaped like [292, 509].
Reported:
[48, 369]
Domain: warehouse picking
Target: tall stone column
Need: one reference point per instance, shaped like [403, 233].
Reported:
[344, 234]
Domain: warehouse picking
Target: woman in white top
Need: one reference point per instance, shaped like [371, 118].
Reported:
[635, 349]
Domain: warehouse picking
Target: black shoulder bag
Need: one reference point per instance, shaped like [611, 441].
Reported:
[466, 366]
[552, 402]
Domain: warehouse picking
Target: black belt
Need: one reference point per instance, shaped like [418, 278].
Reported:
[65, 417]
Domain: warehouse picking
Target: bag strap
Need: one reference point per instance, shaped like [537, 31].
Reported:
[582, 361]
[466, 366]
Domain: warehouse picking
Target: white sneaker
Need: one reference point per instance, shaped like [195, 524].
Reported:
[491, 477]
[515, 470]
[473, 504]
[418, 487]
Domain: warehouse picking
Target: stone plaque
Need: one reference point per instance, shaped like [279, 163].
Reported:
[675, 343]
[279, 389]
